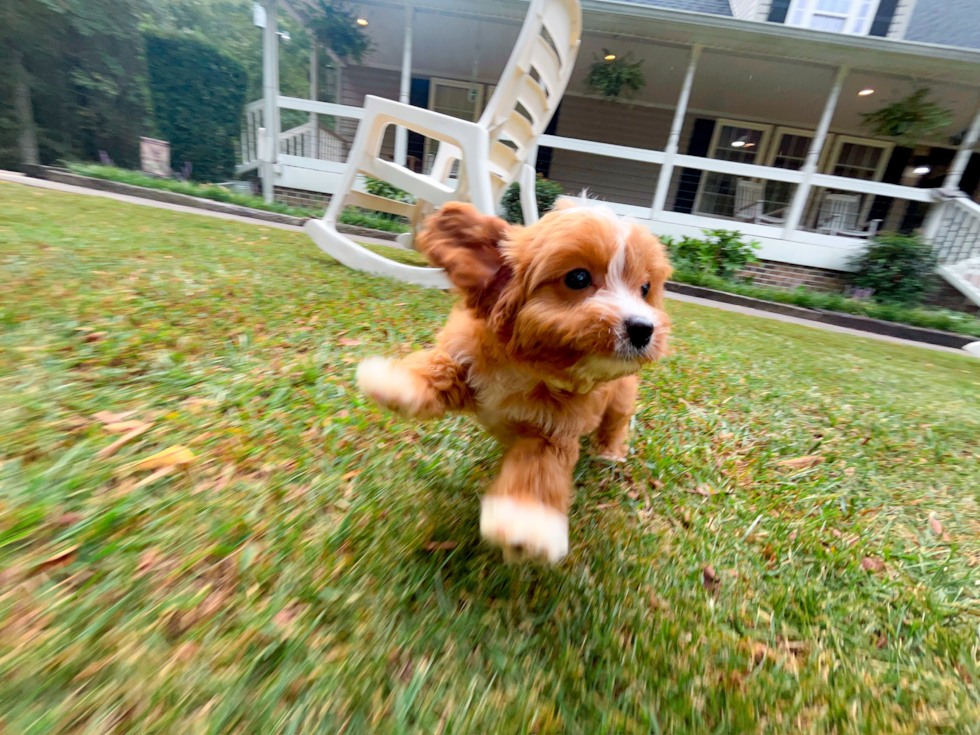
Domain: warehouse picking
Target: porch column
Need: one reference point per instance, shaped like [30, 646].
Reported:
[813, 156]
[405, 89]
[673, 141]
[956, 169]
[315, 96]
[270, 97]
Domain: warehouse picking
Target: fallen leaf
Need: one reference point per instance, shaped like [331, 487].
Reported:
[121, 427]
[348, 342]
[871, 564]
[726, 435]
[935, 525]
[440, 545]
[836, 533]
[226, 474]
[201, 437]
[792, 535]
[352, 474]
[703, 490]
[343, 414]
[124, 439]
[67, 519]
[154, 477]
[148, 559]
[108, 417]
[94, 336]
[710, 579]
[169, 457]
[802, 463]
[56, 561]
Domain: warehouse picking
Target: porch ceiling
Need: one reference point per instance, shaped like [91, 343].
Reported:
[624, 21]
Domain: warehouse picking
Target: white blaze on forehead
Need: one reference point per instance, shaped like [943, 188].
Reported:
[620, 295]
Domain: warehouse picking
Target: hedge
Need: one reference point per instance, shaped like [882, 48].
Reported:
[198, 96]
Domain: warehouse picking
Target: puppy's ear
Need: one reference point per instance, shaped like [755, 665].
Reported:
[466, 244]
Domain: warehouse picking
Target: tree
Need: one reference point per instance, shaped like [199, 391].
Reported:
[77, 80]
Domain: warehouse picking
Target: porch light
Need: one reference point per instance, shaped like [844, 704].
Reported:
[866, 92]
[362, 21]
[738, 144]
[610, 57]
[921, 170]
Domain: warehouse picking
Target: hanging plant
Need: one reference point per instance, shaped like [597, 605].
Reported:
[616, 77]
[909, 121]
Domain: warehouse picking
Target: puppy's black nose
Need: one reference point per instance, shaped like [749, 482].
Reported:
[639, 332]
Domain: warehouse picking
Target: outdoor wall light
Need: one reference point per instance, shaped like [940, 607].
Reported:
[921, 170]
[362, 21]
[610, 57]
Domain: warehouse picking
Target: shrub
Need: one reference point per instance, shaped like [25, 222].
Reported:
[198, 96]
[545, 191]
[898, 267]
[722, 253]
[380, 188]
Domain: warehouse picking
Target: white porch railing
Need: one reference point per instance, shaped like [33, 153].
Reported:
[328, 145]
[954, 230]
[954, 227]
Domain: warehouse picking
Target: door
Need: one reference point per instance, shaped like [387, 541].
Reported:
[456, 99]
[733, 141]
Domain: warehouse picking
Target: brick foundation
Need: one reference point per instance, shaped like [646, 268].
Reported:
[770, 274]
[301, 198]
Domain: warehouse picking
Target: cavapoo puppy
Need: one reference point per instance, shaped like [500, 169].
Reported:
[554, 322]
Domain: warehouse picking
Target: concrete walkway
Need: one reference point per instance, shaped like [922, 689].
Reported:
[17, 178]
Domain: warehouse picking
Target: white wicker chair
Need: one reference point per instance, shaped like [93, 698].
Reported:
[492, 153]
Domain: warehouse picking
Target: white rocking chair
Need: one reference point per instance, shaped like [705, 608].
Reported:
[492, 153]
[750, 204]
[839, 215]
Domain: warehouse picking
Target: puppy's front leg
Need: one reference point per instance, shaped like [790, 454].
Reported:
[425, 384]
[527, 506]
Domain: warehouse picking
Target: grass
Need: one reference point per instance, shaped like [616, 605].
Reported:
[930, 318]
[350, 216]
[317, 566]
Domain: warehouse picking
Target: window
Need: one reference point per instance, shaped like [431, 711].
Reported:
[859, 158]
[834, 16]
[733, 141]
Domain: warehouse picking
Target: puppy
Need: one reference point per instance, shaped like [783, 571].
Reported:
[553, 324]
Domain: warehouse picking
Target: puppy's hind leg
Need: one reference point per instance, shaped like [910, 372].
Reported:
[612, 436]
[425, 384]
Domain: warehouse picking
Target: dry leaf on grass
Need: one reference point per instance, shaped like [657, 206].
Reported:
[802, 463]
[124, 439]
[710, 579]
[169, 457]
[348, 342]
[352, 474]
[108, 417]
[440, 545]
[702, 490]
[121, 427]
[154, 477]
[871, 564]
[935, 525]
[56, 561]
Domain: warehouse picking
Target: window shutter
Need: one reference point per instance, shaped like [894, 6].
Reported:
[546, 153]
[778, 11]
[418, 97]
[687, 188]
[883, 18]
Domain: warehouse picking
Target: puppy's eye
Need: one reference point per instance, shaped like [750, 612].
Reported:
[578, 279]
[645, 290]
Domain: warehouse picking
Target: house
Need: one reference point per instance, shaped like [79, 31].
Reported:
[750, 118]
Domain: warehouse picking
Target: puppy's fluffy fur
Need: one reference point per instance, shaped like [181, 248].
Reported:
[538, 358]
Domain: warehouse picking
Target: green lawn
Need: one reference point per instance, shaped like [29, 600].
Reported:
[316, 567]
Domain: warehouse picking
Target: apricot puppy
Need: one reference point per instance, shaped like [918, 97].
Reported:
[553, 323]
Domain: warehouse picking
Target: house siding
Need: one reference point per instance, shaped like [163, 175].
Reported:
[359, 81]
[629, 182]
[945, 22]
[715, 7]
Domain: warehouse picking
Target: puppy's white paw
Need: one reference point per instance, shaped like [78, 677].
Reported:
[388, 384]
[534, 527]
